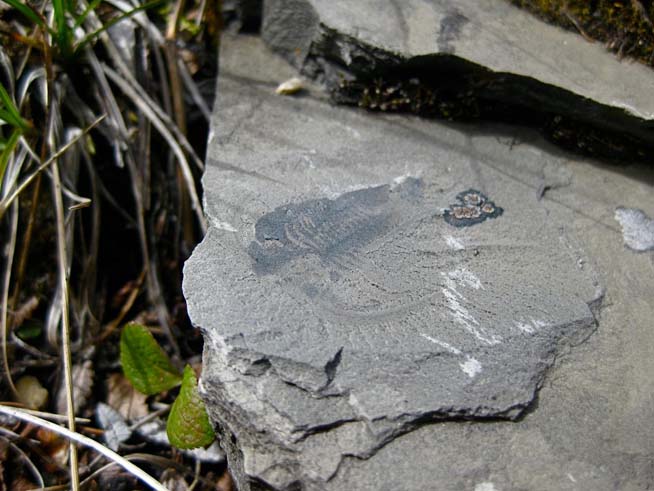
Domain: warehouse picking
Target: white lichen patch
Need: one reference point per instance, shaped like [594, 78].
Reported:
[637, 229]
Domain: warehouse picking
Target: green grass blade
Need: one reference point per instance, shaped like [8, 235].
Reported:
[93, 35]
[8, 149]
[91, 7]
[188, 424]
[27, 12]
[63, 33]
[144, 362]
[9, 112]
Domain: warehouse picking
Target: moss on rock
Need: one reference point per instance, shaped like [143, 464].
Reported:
[625, 27]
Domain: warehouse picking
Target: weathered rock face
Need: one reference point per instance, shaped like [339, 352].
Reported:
[514, 57]
[365, 276]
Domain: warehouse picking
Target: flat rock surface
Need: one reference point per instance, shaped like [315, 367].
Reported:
[383, 297]
[539, 65]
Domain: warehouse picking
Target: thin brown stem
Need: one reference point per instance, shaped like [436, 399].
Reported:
[27, 239]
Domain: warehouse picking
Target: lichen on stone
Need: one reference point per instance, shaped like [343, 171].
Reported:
[472, 207]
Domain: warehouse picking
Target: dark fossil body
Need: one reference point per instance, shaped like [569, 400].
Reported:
[329, 229]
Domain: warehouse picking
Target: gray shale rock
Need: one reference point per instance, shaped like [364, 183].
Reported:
[365, 276]
[522, 60]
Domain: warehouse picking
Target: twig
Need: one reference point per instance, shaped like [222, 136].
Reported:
[65, 320]
[88, 442]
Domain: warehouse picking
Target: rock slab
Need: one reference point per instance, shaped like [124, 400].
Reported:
[529, 63]
[364, 277]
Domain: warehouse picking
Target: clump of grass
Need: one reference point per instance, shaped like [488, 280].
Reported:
[95, 163]
[624, 26]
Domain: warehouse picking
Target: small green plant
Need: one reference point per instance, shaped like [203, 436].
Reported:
[67, 18]
[150, 371]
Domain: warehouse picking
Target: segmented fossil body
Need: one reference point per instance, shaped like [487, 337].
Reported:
[332, 230]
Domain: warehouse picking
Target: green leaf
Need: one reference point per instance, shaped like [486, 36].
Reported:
[188, 424]
[145, 364]
[29, 330]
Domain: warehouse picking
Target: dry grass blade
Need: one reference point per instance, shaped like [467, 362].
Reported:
[154, 288]
[6, 202]
[128, 76]
[193, 90]
[58, 418]
[30, 465]
[9, 257]
[161, 127]
[88, 442]
[65, 320]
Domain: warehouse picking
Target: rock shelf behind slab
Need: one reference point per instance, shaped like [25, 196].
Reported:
[499, 53]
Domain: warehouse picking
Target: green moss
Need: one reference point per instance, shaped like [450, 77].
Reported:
[625, 27]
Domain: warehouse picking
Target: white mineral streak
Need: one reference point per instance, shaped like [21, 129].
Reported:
[485, 486]
[465, 277]
[460, 314]
[454, 243]
[400, 179]
[443, 344]
[222, 225]
[470, 367]
[530, 327]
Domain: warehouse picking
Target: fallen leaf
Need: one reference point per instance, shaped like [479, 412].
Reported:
[55, 446]
[82, 375]
[115, 428]
[173, 481]
[124, 398]
[31, 392]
